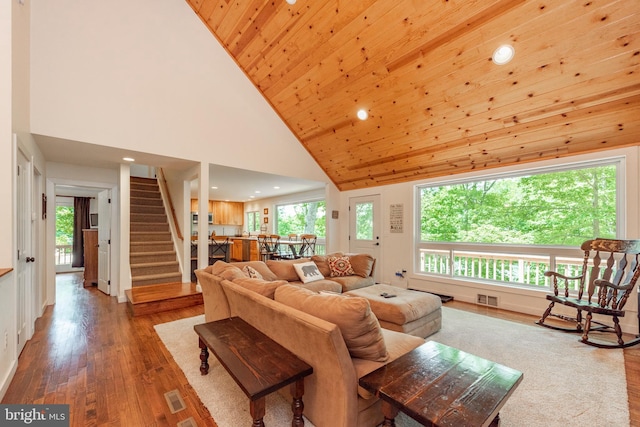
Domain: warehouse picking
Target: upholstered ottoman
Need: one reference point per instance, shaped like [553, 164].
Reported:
[412, 312]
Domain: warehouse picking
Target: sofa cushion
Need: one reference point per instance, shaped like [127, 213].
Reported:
[308, 272]
[251, 272]
[283, 269]
[260, 286]
[231, 273]
[320, 285]
[362, 264]
[259, 266]
[397, 344]
[359, 327]
[323, 263]
[340, 266]
[350, 283]
[225, 270]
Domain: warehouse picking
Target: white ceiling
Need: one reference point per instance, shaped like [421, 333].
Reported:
[233, 184]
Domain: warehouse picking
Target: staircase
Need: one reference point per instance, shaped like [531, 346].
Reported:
[156, 279]
[152, 255]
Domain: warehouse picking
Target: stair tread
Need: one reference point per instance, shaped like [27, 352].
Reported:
[153, 253]
[155, 276]
[154, 264]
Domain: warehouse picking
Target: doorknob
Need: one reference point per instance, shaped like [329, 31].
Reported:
[30, 259]
[377, 243]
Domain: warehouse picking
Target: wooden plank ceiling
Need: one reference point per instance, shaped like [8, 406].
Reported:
[422, 69]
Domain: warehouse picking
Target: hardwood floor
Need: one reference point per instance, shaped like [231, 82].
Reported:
[113, 370]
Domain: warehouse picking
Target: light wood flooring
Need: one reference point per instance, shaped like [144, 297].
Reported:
[113, 370]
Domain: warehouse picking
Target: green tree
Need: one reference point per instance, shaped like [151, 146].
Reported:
[64, 225]
[302, 218]
[558, 208]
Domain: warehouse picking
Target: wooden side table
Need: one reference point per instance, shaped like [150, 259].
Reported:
[258, 364]
[438, 385]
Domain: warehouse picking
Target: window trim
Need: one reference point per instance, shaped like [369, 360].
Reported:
[620, 160]
[298, 202]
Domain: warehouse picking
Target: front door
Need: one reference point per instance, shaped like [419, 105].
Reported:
[364, 226]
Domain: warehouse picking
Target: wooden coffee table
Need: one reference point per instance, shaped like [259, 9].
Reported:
[438, 385]
[258, 364]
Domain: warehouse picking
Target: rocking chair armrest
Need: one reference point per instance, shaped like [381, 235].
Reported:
[561, 276]
[607, 284]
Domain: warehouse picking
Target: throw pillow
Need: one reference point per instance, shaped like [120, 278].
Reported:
[322, 262]
[231, 272]
[340, 266]
[284, 270]
[362, 264]
[260, 286]
[252, 272]
[358, 325]
[308, 271]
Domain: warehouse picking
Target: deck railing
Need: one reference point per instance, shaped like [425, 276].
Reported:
[64, 254]
[522, 269]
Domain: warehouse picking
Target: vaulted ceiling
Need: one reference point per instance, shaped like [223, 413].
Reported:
[422, 69]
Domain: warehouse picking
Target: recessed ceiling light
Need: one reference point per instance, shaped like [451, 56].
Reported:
[363, 115]
[257, 191]
[214, 188]
[503, 54]
[252, 197]
[276, 188]
[128, 159]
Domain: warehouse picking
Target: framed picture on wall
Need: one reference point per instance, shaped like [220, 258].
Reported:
[266, 220]
[266, 211]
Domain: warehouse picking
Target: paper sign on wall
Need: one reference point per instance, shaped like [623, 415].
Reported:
[396, 218]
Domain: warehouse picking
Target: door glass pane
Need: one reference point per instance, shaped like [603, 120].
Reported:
[364, 221]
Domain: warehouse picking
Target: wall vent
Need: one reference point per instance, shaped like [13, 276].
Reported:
[174, 400]
[189, 422]
[489, 300]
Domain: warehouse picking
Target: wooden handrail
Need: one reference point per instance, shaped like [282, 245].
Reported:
[162, 181]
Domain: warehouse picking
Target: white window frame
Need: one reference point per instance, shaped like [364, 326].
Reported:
[550, 253]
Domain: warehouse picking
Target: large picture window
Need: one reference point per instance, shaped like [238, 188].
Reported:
[504, 228]
[301, 218]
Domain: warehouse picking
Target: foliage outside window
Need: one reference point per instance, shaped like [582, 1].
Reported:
[364, 221]
[253, 221]
[64, 235]
[467, 229]
[64, 225]
[302, 218]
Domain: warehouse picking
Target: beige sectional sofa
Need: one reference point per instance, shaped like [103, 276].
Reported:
[337, 335]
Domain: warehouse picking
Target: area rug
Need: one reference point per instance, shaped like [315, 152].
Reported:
[566, 383]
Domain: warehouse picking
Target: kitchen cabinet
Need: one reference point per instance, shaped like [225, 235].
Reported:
[236, 250]
[245, 249]
[223, 213]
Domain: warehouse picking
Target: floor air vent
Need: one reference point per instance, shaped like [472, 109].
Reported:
[174, 400]
[489, 300]
[189, 422]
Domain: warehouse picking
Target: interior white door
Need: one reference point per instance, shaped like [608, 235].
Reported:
[25, 261]
[104, 241]
[365, 224]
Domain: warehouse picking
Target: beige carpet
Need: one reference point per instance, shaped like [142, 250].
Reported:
[565, 383]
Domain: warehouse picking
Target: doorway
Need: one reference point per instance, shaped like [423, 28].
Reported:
[25, 265]
[364, 226]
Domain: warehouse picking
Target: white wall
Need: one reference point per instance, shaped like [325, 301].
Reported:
[398, 249]
[148, 76]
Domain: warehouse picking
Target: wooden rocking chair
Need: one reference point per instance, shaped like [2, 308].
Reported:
[598, 292]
